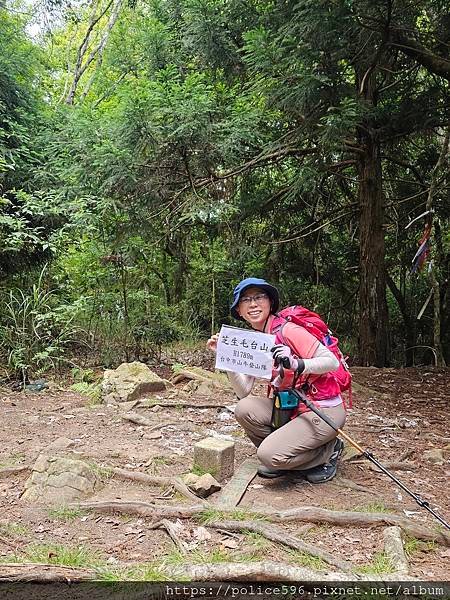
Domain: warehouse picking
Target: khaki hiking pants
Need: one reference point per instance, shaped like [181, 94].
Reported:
[304, 442]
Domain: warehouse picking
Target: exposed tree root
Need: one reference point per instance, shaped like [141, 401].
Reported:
[268, 571]
[43, 573]
[394, 466]
[252, 572]
[179, 485]
[183, 404]
[352, 485]
[279, 535]
[257, 571]
[309, 514]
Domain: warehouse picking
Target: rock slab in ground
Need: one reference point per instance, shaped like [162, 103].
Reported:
[59, 480]
[201, 381]
[129, 382]
[61, 443]
[435, 455]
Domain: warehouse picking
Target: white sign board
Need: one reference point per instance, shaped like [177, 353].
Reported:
[245, 351]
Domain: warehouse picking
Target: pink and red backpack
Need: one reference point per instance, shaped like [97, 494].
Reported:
[311, 321]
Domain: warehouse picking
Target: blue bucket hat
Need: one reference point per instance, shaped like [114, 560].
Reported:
[270, 290]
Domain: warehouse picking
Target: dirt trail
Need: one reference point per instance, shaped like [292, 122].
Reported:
[398, 414]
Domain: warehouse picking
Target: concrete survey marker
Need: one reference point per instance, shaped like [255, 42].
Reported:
[215, 456]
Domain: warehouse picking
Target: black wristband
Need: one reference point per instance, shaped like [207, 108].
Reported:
[301, 367]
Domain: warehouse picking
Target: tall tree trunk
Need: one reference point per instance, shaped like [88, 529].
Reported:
[373, 312]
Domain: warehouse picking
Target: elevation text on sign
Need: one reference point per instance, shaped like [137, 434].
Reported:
[245, 351]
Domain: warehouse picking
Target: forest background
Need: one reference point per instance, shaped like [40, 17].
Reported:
[155, 152]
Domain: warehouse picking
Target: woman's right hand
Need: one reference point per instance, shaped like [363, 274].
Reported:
[211, 344]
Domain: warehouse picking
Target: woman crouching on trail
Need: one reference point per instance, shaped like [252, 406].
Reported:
[305, 443]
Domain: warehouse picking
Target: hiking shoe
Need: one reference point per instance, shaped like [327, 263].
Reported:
[327, 471]
[269, 473]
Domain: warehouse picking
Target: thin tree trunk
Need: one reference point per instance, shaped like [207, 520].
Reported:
[437, 342]
[97, 52]
[408, 321]
[123, 281]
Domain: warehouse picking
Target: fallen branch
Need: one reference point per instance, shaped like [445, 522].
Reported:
[309, 514]
[173, 533]
[179, 485]
[43, 573]
[281, 536]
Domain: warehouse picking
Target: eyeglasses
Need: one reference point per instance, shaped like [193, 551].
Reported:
[259, 298]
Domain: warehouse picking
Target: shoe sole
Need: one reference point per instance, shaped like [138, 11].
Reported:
[268, 476]
[284, 473]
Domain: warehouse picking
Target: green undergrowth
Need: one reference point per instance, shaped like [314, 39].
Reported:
[65, 513]
[57, 554]
[210, 515]
[305, 559]
[373, 507]
[380, 564]
[102, 472]
[91, 390]
[198, 470]
[157, 463]
[214, 556]
[13, 460]
[138, 572]
[413, 546]
[12, 529]
[256, 540]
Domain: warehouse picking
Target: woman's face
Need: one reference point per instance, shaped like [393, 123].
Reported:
[254, 307]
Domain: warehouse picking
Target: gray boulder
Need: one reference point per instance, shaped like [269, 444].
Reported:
[130, 381]
[58, 480]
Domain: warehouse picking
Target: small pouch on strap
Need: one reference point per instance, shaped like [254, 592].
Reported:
[284, 405]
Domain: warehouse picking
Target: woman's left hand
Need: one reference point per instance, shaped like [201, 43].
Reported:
[283, 354]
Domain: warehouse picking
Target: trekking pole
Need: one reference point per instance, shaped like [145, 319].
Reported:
[423, 503]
